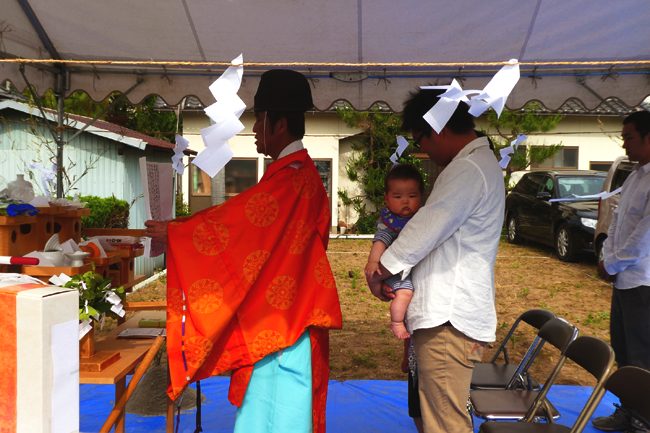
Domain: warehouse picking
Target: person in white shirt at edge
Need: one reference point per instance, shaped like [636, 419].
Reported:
[449, 248]
[626, 263]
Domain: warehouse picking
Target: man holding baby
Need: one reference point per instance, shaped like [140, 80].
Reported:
[449, 248]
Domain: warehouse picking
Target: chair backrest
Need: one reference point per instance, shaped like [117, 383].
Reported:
[560, 334]
[556, 331]
[535, 318]
[632, 386]
[596, 357]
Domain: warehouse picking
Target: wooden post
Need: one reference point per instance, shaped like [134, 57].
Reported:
[87, 343]
[121, 401]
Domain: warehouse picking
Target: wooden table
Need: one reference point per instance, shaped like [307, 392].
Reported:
[132, 351]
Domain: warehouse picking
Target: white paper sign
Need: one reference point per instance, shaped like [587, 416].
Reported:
[65, 377]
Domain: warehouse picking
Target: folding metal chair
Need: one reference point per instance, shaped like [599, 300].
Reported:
[632, 386]
[511, 404]
[592, 354]
[512, 376]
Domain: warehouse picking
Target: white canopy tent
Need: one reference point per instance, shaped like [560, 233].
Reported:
[359, 51]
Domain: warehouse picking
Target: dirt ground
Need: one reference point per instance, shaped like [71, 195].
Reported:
[527, 276]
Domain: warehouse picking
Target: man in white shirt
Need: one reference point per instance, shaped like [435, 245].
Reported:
[449, 248]
[626, 263]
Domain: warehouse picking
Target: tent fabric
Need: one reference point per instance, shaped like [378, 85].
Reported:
[336, 31]
[352, 406]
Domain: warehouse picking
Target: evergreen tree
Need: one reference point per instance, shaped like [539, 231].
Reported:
[512, 123]
[371, 161]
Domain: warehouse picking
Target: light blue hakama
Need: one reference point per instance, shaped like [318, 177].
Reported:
[279, 395]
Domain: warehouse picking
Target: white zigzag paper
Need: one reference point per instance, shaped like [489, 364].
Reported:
[225, 114]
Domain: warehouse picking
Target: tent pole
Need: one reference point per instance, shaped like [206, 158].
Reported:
[139, 81]
[59, 132]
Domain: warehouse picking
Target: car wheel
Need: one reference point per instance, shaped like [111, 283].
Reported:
[564, 245]
[513, 230]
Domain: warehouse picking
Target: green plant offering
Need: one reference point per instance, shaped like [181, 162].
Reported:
[94, 292]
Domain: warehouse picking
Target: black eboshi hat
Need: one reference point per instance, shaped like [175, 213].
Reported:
[283, 90]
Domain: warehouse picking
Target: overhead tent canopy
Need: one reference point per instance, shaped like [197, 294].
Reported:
[359, 51]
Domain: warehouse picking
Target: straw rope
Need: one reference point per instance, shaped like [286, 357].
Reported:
[307, 64]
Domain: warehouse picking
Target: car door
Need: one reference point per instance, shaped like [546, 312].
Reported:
[543, 210]
[526, 203]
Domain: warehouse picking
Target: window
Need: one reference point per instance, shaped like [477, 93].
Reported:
[600, 165]
[580, 185]
[199, 181]
[547, 186]
[324, 167]
[566, 158]
[240, 175]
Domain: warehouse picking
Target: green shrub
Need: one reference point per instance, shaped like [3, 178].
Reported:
[106, 213]
[182, 208]
[366, 224]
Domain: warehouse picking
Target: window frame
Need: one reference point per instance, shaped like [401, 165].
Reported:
[553, 167]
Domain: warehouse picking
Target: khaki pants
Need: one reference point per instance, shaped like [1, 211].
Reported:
[446, 359]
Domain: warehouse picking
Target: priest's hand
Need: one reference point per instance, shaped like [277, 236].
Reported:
[157, 230]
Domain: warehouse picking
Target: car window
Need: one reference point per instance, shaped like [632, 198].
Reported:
[621, 174]
[529, 184]
[546, 185]
[579, 186]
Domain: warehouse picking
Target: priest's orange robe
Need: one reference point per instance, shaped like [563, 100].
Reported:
[246, 278]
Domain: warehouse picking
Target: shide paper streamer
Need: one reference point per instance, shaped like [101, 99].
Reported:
[225, 114]
[177, 159]
[603, 195]
[507, 151]
[493, 95]
[402, 144]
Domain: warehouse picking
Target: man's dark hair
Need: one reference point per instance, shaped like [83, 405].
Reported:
[404, 172]
[421, 101]
[295, 122]
[641, 122]
[480, 134]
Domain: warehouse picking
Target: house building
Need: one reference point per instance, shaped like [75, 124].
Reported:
[591, 141]
[101, 161]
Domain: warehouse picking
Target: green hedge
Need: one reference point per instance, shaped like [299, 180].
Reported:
[366, 225]
[106, 213]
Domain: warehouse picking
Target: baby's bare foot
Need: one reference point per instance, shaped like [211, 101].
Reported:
[399, 330]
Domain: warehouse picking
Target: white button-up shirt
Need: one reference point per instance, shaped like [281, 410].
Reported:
[451, 243]
[627, 247]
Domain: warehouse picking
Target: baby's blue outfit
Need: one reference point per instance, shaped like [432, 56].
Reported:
[388, 228]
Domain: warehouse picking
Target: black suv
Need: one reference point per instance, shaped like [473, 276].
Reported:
[566, 225]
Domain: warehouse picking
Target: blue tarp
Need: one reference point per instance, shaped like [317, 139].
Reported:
[353, 406]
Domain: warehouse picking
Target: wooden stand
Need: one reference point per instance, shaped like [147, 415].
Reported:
[91, 361]
[44, 227]
[44, 273]
[12, 230]
[68, 224]
[102, 264]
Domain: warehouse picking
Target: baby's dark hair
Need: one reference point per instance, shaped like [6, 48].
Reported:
[404, 172]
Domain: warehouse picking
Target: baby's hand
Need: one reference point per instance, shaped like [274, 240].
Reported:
[371, 268]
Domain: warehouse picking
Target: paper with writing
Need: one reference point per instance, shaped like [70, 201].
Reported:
[158, 186]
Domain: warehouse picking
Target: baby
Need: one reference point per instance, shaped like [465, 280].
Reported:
[404, 187]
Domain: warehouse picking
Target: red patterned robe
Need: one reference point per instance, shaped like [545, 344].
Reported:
[246, 278]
